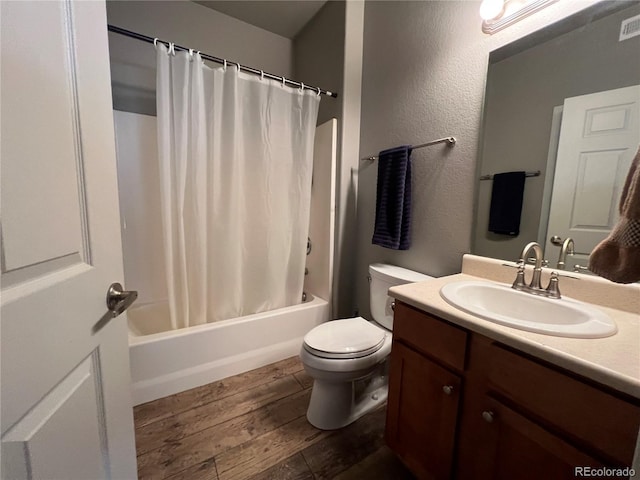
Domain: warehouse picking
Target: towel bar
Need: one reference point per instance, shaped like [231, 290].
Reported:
[450, 141]
[526, 174]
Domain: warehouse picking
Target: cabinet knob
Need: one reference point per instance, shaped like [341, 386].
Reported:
[487, 415]
[448, 389]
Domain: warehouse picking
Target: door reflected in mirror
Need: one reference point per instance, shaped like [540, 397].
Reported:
[564, 101]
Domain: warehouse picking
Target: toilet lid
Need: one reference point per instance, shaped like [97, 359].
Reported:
[350, 338]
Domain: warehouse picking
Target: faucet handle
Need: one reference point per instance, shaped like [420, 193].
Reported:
[519, 283]
[553, 289]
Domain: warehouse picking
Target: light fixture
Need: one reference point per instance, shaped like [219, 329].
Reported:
[490, 9]
[499, 14]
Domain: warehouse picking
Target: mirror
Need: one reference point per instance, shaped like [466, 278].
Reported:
[554, 101]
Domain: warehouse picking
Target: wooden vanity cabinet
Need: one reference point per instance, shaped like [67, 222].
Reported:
[425, 387]
[508, 445]
[508, 415]
[422, 411]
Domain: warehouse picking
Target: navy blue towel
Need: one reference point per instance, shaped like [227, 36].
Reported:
[506, 203]
[393, 199]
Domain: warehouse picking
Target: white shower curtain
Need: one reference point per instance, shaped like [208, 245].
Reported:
[236, 154]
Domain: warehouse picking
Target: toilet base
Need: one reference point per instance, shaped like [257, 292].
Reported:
[335, 405]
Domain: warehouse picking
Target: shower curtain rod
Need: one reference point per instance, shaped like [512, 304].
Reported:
[255, 71]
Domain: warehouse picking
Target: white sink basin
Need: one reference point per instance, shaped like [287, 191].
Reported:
[501, 304]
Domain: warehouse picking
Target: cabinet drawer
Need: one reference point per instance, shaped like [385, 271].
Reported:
[596, 418]
[436, 338]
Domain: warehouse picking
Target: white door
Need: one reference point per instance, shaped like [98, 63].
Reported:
[65, 393]
[599, 137]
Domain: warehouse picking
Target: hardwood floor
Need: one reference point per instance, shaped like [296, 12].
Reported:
[253, 426]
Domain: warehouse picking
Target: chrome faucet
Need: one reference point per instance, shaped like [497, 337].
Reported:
[568, 248]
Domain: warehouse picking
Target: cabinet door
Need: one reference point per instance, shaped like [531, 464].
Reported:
[509, 445]
[422, 411]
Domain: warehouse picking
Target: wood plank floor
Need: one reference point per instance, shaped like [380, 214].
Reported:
[253, 426]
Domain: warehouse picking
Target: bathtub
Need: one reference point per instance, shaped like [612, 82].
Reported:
[164, 362]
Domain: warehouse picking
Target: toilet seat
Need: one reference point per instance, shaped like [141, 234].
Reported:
[344, 339]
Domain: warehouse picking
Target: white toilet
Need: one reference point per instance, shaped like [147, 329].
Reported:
[348, 358]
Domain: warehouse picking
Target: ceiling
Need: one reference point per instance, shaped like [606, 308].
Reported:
[283, 17]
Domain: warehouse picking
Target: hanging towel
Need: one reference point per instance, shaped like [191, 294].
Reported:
[393, 199]
[506, 203]
[617, 257]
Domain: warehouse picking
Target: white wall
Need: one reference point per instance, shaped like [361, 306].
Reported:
[319, 276]
[423, 78]
[140, 217]
[190, 25]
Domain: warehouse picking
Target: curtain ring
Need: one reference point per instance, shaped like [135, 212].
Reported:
[318, 90]
[283, 80]
[172, 48]
[261, 74]
[238, 66]
[225, 64]
[155, 42]
[301, 86]
[190, 54]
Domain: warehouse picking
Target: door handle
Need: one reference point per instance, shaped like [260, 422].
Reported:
[556, 240]
[118, 300]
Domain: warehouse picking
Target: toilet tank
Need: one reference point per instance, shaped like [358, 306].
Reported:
[382, 277]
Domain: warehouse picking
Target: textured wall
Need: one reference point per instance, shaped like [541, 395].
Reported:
[328, 54]
[318, 56]
[424, 69]
[190, 25]
[318, 59]
[346, 246]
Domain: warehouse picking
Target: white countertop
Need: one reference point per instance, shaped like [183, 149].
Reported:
[613, 361]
